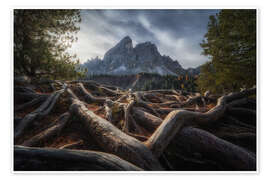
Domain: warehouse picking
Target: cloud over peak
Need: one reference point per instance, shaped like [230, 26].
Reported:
[176, 33]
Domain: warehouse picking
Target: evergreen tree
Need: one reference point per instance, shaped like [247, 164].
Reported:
[41, 40]
[230, 43]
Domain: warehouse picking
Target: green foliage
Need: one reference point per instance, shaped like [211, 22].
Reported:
[168, 82]
[150, 81]
[41, 40]
[230, 43]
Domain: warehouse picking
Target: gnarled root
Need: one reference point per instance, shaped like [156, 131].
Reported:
[46, 134]
[114, 141]
[89, 97]
[33, 102]
[216, 149]
[42, 111]
[147, 120]
[177, 119]
[72, 145]
[48, 159]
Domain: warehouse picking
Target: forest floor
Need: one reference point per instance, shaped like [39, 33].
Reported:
[84, 125]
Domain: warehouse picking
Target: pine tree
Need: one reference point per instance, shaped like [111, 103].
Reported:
[230, 43]
[41, 40]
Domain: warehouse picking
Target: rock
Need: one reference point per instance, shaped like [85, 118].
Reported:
[123, 58]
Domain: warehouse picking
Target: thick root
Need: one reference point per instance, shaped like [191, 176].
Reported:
[216, 149]
[42, 111]
[46, 134]
[45, 159]
[89, 97]
[177, 119]
[114, 141]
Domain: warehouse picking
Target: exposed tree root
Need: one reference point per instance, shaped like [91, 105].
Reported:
[72, 145]
[31, 103]
[44, 159]
[71, 93]
[113, 140]
[128, 119]
[146, 120]
[177, 119]
[191, 101]
[52, 86]
[46, 134]
[27, 96]
[217, 149]
[243, 112]
[42, 111]
[89, 97]
[145, 130]
[108, 111]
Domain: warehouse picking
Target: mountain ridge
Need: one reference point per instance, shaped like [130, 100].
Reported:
[124, 59]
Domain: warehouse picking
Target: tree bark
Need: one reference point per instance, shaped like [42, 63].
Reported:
[42, 111]
[216, 149]
[147, 120]
[48, 159]
[72, 145]
[128, 117]
[114, 141]
[176, 120]
[89, 97]
[31, 103]
[46, 134]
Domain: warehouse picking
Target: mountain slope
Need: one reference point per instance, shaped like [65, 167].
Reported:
[123, 59]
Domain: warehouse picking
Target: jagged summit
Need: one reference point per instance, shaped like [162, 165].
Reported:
[126, 43]
[126, 38]
[147, 47]
[123, 58]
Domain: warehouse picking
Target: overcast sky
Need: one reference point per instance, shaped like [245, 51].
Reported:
[176, 33]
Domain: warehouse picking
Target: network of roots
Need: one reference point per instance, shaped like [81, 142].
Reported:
[151, 130]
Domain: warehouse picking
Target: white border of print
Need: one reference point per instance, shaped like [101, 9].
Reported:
[159, 172]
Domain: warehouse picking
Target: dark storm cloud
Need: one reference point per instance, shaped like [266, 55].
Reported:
[176, 33]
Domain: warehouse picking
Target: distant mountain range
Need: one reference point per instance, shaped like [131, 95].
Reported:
[124, 59]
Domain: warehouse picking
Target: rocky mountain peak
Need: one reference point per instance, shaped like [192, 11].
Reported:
[126, 39]
[147, 47]
[126, 43]
[144, 57]
[147, 52]
[122, 48]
